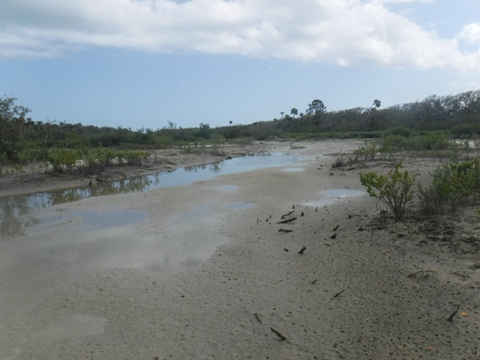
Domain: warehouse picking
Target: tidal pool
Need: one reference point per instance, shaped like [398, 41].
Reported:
[15, 210]
[294, 169]
[335, 194]
[239, 205]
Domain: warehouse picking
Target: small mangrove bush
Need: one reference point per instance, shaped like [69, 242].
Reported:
[394, 189]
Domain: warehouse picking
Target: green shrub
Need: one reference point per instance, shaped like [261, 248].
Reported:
[394, 189]
[452, 185]
[366, 152]
[62, 159]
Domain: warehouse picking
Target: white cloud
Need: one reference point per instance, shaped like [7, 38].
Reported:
[470, 33]
[344, 32]
[401, 1]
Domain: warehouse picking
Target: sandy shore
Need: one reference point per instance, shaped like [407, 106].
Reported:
[204, 272]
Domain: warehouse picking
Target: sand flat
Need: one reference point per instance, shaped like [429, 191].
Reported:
[196, 279]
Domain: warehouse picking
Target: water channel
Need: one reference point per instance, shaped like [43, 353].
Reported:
[41, 247]
[15, 210]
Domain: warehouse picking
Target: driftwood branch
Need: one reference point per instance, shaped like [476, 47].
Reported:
[337, 294]
[452, 315]
[278, 333]
[302, 250]
[285, 230]
[287, 220]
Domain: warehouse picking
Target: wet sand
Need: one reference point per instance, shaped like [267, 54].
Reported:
[203, 272]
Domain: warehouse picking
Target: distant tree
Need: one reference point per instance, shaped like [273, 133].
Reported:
[294, 112]
[316, 107]
[230, 122]
[377, 103]
[281, 113]
[13, 126]
[204, 131]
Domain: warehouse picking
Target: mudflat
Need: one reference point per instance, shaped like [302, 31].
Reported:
[292, 262]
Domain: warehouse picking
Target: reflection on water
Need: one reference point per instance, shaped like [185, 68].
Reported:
[344, 193]
[14, 210]
[295, 169]
[239, 205]
[14, 218]
[87, 221]
[334, 194]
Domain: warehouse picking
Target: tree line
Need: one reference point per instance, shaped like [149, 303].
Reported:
[458, 114]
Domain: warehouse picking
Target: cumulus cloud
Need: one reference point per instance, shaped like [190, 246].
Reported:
[343, 32]
[471, 33]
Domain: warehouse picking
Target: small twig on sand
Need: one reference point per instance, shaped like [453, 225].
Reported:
[287, 220]
[337, 294]
[333, 236]
[418, 272]
[452, 315]
[336, 227]
[314, 281]
[287, 214]
[278, 333]
[285, 230]
[258, 318]
[415, 273]
[302, 250]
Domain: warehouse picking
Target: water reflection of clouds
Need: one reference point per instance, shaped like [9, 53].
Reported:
[14, 210]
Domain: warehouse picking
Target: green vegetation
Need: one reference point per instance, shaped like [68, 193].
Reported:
[395, 189]
[423, 128]
[453, 185]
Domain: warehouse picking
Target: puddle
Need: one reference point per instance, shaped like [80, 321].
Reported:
[345, 193]
[14, 219]
[63, 247]
[335, 194]
[239, 205]
[296, 169]
[228, 188]
[88, 221]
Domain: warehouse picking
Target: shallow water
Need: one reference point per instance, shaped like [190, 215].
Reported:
[15, 210]
[331, 196]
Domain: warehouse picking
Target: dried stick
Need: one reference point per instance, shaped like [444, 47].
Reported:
[287, 220]
[278, 333]
[452, 315]
[337, 294]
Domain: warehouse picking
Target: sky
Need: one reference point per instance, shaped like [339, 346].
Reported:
[144, 63]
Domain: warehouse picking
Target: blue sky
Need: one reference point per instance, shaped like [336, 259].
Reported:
[143, 63]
